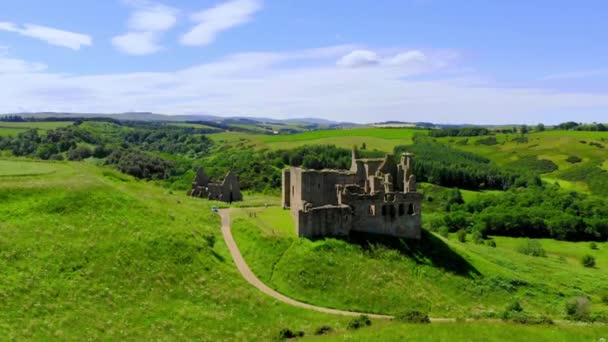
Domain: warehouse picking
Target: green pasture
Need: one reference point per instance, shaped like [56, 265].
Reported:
[471, 331]
[555, 146]
[88, 253]
[383, 139]
[14, 128]
[442, 276]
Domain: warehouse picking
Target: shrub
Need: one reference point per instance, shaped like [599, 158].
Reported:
[588, 261]
[413, 317]
[605, 298]
[514, 307]
[359, 322]
[532, 248]
[593, 245]
[487, 141]
[444, 231]
[478, 238]
[79, 153]
[491, 243]
[286, 333]
[578, 308]
[322, 330]
[573, 159]
[56, 157]
[462, 235]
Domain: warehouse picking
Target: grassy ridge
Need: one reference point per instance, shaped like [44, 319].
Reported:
[542, 151]
[383, 139]
[14, 128]
[444, 277]
[88, 253]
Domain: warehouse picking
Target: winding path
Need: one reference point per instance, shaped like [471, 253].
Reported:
[252, 279]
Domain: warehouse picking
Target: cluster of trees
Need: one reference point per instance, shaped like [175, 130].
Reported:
[140, 164]
[446, 166]
[575, 126]
[459, 132]
[54, 144]
[11, 118]
[165, 139]
[535, 212]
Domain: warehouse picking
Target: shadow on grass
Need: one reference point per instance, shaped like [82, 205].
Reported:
[428, 250]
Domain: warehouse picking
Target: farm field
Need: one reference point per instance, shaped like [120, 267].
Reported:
[442, 276]
[14, 128]
[382, 139]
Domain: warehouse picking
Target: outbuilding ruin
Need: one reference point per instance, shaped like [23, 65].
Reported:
[229, 190]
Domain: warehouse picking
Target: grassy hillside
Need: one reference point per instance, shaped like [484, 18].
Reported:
[383, 139]
[511, 150]
[462, 331]
[88, 253]
[14, 128]
[442, 276]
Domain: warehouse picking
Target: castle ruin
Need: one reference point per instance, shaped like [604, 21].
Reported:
[375, 196]
[228, 190]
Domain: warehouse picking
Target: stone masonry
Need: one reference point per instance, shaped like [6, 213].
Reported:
[228, 190]
[375, 196]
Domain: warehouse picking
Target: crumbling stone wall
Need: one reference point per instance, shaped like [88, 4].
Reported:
[375, 196]
[229, 190]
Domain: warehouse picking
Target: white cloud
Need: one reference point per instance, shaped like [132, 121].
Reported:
[50, 35]
[274, 84]
[407, 58]
[153, 18]
[146, 25]
[13, 65]
[213, 21]
[359, 58]
[137, 43]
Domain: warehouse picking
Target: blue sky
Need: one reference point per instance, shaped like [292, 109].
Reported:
[411, 60]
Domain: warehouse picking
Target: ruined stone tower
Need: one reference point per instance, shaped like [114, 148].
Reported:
[376, 196]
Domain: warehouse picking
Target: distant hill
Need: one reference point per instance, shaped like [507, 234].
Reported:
[147, 116]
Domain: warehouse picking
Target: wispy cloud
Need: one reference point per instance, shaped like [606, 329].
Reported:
[13, 66]
[212, 21]
[146, 25]
[50, 35]
[576, 74]
[240, 84]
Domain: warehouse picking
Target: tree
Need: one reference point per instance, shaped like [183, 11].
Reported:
[523, 129]
[540, 127]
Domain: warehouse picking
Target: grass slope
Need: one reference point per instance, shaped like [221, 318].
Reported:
[444, 277]
[88, 253]
[472, 332]
[14, 128]
[383, 139]
[537, 150]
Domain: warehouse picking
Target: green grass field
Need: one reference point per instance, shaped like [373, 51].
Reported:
[22, 168]
[14, 128]
[476, 331]
[383, 139]
[88, 253]
[444, 277]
